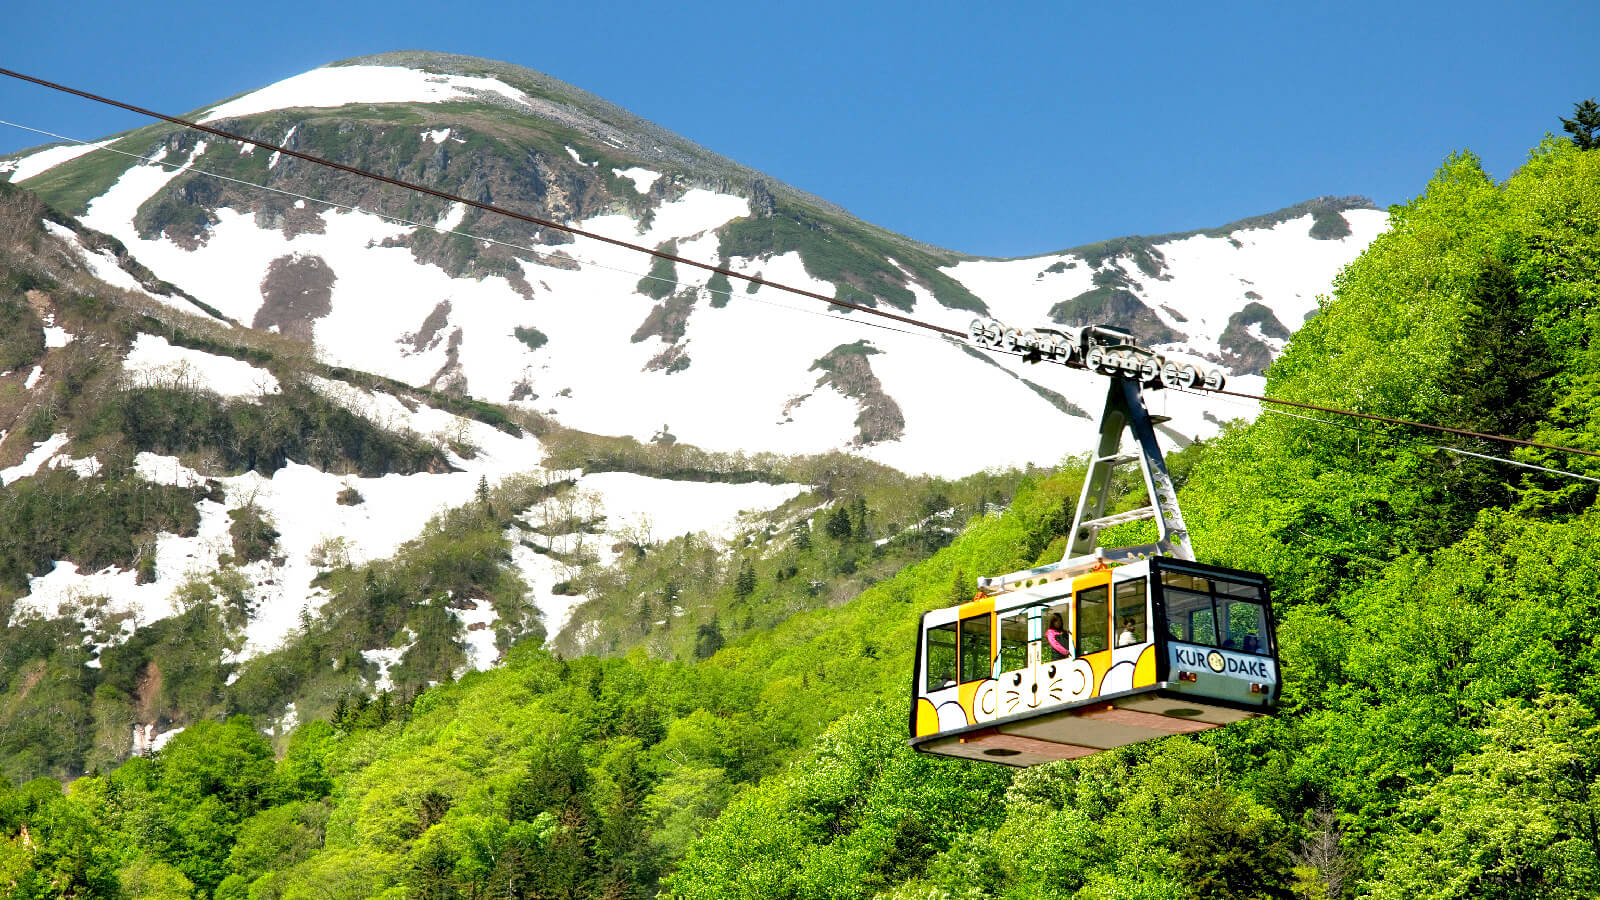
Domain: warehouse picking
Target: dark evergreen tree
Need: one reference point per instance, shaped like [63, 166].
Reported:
[431, 809]
[708, 639]
[838, 524]
[802, 535]
[744, 584]
[1584, 126]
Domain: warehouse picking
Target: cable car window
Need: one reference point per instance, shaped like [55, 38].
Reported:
[1014, 642]
[1093, 618]
[1245, 625]
[1130, 618]
[975, 648]
[941, 657]
[1190, 618]
[1057, 640]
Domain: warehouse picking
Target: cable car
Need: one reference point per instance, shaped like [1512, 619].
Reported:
[1056, 666]
[1104, 648]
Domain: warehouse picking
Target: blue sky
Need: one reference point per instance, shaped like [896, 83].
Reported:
[993, 128]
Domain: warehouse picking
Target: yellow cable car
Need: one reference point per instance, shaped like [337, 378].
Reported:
[1106, 647]
[1055, 666]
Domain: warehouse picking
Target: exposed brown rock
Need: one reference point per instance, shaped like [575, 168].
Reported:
[296, 292]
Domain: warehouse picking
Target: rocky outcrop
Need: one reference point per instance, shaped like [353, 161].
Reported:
[1112, 302]
[845, 369]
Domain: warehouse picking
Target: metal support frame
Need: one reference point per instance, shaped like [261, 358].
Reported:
[1125, 411]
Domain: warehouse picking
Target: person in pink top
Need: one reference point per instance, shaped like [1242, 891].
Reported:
[1056, 634]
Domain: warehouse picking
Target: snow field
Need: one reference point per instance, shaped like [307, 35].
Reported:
[302, 504]
[748, 386]
[1208, 278]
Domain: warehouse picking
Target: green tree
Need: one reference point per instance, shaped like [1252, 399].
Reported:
[837, 525]
[1584, 126]
[1518, 820]
[744, 584]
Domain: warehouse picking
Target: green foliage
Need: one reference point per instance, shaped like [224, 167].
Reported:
[532, 337]
[252, 533]
[263, 434]
[663, 277]
[1437, 620]
[857, 259]
[94, 522]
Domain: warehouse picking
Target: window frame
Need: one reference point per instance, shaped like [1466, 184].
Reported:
[988, 646]
[1105, 619]
[953, 627]
[1163, 568]
[1143, 618]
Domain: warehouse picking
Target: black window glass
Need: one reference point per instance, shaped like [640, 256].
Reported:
[1093, 618]
[975, 641]
[1014, 642]
[1057, 637]
[1186, 582]
[1244, 625]
[1130, 617]
[941, 657]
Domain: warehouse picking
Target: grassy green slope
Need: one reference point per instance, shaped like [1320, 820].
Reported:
[1438, 626]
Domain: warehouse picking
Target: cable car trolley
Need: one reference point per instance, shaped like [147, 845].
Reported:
[1106, 647]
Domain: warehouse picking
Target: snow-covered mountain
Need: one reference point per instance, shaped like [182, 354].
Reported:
[605, 340]
[270, 434]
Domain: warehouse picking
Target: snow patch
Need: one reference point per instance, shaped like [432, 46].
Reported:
[33, 377]
[30, 464]
[155, 362]
[342, 85]
[440, 136]
[642, 178]
[38, 163]
[477, 622]
[385, 659]
[102, 264]
[453, 218]
[272, 161]
[671, 508]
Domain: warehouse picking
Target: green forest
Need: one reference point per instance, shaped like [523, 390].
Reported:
[1438, 626]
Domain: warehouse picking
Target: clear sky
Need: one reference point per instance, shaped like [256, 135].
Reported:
[997, 128]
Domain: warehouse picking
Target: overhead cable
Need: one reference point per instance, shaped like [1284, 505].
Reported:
[542, 254]
[1456, 450]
